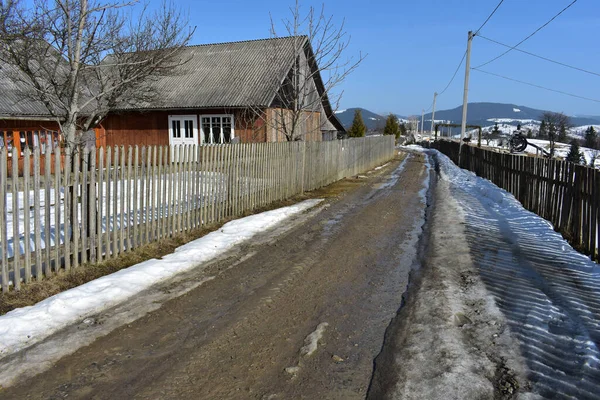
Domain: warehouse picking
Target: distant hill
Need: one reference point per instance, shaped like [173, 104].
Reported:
[484, 114]
[372, 121]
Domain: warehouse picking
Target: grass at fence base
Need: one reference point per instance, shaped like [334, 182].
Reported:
[37, 291]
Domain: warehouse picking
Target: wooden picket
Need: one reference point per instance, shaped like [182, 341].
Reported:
[113, 200]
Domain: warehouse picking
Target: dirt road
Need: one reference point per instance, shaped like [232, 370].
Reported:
[247, 331]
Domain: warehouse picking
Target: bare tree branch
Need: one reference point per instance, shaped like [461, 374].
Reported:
[82, 58]
[318, 66]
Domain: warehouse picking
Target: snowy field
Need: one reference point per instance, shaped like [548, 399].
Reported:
[549, 293]
[560, 149]
[26, 326]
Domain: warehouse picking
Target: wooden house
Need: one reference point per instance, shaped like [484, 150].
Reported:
[224, 92]
[220, 93]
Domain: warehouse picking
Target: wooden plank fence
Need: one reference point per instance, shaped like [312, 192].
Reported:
[564, 193]
[116, 199]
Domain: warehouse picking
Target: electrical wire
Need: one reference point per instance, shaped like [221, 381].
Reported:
[465, 54]
[455, 72]
[542, 58]
[537, 86]
[528, 37]
[489, 17]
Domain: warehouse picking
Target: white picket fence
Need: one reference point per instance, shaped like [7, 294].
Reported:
[113, 200]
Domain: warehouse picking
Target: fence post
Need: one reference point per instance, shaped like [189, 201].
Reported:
[3, 214]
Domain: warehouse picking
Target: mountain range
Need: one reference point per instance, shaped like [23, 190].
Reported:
[484, 114]
[372, 120]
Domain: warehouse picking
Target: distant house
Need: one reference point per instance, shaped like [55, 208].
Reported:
[221, 93]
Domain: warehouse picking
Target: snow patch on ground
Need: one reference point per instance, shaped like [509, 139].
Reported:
[395, 175]
[382, 166]
[26, 326]
[311, 342]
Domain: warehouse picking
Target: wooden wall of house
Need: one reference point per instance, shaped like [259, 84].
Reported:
[135, 128]
[151, 128]
[310, 129]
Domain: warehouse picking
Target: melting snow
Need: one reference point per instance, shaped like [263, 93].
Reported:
[26, 326]
[311, 341]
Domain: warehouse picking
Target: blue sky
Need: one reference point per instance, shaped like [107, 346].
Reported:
[414, 47]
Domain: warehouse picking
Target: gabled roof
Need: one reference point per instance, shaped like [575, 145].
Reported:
[236, 74]
[222, 75]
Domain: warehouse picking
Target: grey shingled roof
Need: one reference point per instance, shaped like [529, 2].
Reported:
[235, 74]
[13, 99]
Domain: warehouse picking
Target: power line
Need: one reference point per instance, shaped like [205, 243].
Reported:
[465, 54]
[528, 37]
[455, 72]
[542, 58]
[488, 18]
[537, 86]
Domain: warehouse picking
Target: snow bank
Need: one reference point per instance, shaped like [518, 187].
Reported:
[26, 326]
[549, 292]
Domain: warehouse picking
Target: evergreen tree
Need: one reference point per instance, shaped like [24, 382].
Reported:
[358, 128]
[391, 126]
[591, 138]
[543, 133]
[496, 130]
[403, 129]
[562, 133]
[529, 134]
[575, 156]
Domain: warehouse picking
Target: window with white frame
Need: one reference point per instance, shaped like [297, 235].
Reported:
[183, 130]
[217, 128]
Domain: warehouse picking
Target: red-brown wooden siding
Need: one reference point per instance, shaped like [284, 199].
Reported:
[151, 128]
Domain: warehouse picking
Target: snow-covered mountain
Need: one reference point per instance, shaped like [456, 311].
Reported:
[486, 114]
[372, 120]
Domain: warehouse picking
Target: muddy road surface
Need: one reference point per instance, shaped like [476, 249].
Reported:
[301, 315]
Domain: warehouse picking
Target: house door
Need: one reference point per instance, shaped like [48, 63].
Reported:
[183, 130]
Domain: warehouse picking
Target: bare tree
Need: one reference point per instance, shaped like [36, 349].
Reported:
[318, 66]
[555, 123]
[413, 124]
[82, 58]
[489, 135]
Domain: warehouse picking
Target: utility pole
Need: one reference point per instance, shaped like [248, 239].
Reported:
[463, 126]
[422, 117]
[433, 114]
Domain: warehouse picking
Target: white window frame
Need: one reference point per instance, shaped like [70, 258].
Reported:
[183, 118]
[211, 135]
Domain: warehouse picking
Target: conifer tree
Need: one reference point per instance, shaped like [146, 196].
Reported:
[562, 133]
[575, 155]
[358, 128]
[591, 138]
[403, 129]
[496, 130]
[543, 133]
[391, 126]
